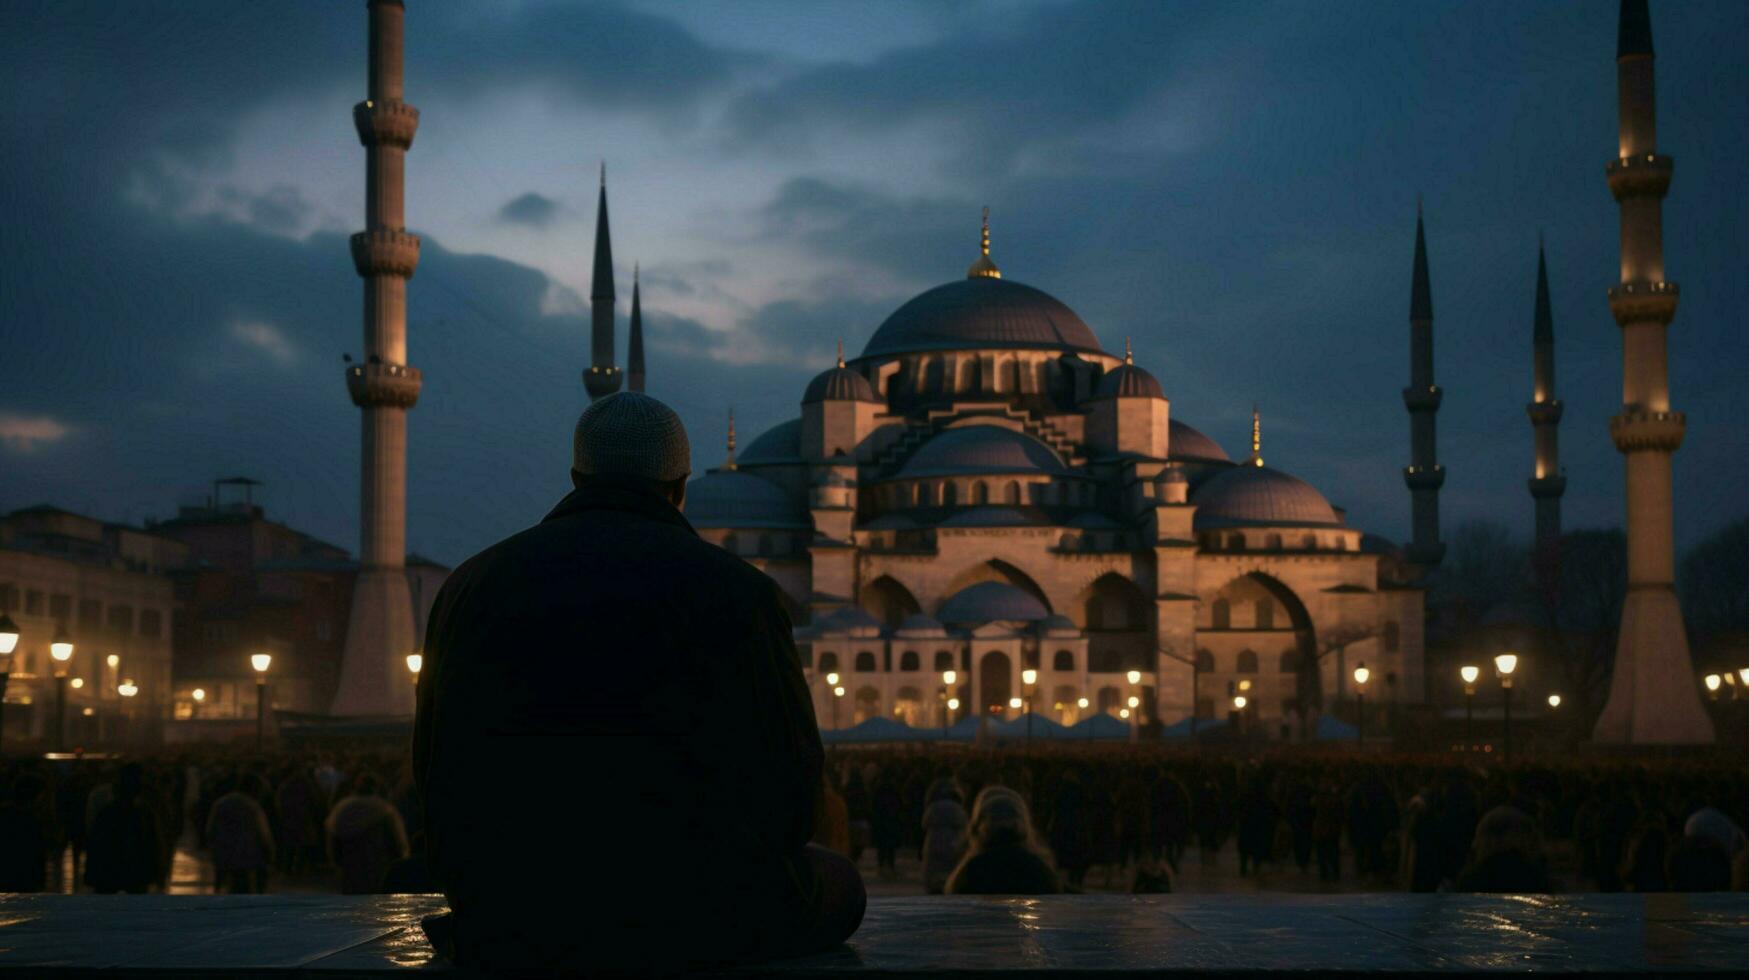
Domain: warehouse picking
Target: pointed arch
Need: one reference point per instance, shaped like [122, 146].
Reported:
[1113, 602]
[1258, 586]
[997, 570]
[888, 601]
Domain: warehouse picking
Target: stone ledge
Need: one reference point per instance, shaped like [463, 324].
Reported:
[343, 936]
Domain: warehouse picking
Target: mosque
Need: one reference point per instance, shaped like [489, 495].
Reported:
[986, 490]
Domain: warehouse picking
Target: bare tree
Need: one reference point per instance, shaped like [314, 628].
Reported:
[1715, 583]
[1582, 607]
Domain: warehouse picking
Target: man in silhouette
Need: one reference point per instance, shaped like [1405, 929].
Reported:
[615, 745]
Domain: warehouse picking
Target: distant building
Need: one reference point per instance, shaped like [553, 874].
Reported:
[107, 586]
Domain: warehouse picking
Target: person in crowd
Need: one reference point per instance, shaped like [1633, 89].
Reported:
[1300, 812]
[240, 839]
[1327, 830]
[365, 837]
[1153, 877]
[944, 834]
[1004, 857]
[125, 846]
[412, 874]
[302, 806]
[1257, 819]
[886, 822]
[658, 673]
[1507, 855]
[1643, 869]
[1071, 828]
[24, 838]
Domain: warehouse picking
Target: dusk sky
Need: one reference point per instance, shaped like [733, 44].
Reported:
[1231, 185]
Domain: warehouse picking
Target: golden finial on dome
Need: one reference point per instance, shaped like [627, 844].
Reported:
[729, 463]
[984, 267]
[1256, 437]
[840, 351]
[1128, 358]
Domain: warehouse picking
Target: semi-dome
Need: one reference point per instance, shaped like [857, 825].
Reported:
[732, 499]
[1128, 381]
[1258, 495]
[782, 443]
[975, 449]
[981, 313]
[919, 626]
[990, 601]
[1184, 442]
[839, 384]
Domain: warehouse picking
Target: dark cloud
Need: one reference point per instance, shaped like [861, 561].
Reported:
[917, 237]
[531, 209]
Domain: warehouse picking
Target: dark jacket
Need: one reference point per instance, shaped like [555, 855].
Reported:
[1006, 868]
[612, 706]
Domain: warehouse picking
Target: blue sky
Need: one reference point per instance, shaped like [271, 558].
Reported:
[1231, 185]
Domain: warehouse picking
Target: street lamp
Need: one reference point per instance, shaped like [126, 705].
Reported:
[837, 692]
[1504, 665]
[1133, 713]
[1239, 702]
[127, 689]
[1712, 685]
[260, 661]
[199, 695]
[1469, 672]
[1361, 676]
[1554, 700]
[1742, 672]
[61, 649]
[415, 664]
[948, 678]
[8, 643]
[1028, 678]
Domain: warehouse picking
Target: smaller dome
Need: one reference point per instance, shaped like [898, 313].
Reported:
[850, 620]
[1260, 496]
[782, 443]
[1057, 624]
[1184, 442]
[839, 384]
[920, 626]
[974, 449]
[994, 517]
[732, 499]
[1172, 473]
[990, 601]
[1128, 381]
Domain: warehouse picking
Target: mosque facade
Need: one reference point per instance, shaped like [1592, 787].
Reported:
[986, 490]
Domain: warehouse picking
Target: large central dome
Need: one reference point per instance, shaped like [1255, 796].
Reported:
[981, 313]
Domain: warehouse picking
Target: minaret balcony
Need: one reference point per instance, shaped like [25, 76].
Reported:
[385, 251]
[1637, 429]
[602, 381]
[1544, 413]
[1546, 487]
[1639, 302]
[1640, 175]
[389, 122]
[379, 385]
[1427, 399]
[1424, 477]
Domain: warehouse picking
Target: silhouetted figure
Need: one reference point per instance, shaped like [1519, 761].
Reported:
[302, 805]
[1005, 857]
[365, 837]
[126, 839]
[1643, 869]
[1507, 855]
[1152, 877]
[1327, 830]
[656, 675]
[24, 838]
[1257, 818]
[1071, 829]
[887, 822]
[944, 834]
[412, 874]
[240, 839]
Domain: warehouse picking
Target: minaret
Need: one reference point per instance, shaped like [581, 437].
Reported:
[602, 378]
[729, 459]
[1424, 475]
[984, 268]
[1548, 482]
[1256, 457]
[635, 340]
[380, 632]
[1653, 698]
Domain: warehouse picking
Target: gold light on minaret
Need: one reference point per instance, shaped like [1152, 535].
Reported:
[984, 268]
[729, 462]
[1256, 438]
[1128, 357]
[840, 351]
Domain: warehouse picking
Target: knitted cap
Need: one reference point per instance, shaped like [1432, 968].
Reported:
[631, 434]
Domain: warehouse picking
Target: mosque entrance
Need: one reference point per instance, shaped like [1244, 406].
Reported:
[995, 684]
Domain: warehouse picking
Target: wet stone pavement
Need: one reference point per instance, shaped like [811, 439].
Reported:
[336, 936]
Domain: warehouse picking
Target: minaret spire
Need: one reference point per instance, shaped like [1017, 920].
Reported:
[1653, 698]
[984, 267]
[840, 351]
[1423, 475]
[602, 377]
[1256, 457]
[1548, 481]
[635, 340]
[1129, 356]
[729, 461]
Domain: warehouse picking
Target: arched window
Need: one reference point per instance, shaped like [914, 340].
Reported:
[1205, 662]
[1309, 542]
[1265, 614]
[909, 661]
[949, 495]
[828, 662]
[1247, 661]
[1273, 542]
[1290, 661]
[1064, 660]
[868, 704]
[1393, 636]
[1110, 700]
[1114, 603]
[1235, 542]
[1011, 493]
[980, 493]
[1223, 614]
[865, 663]
[943, 660]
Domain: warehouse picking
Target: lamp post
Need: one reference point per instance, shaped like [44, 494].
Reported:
[1504, 665]
[1712, 685]
[260, 661]
[1469, 672]
[1361, 676]
[837, 692]
[1028, 678]
[127, 689]
[8, 643]
[1239, 703]
[61, 650]
[948, 678]
[1554, 701]
[199, 696]
[415, 664]
[1135, 715]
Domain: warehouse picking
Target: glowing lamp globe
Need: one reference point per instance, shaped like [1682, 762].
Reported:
[1362, 675]
[948, 677]
[8, 635]
[127, 688]
[1713, 681]
[832, 679]
[1554, 700]
[199, 695]
[1135, 676]
[1239, 702]
[415, 663]
[838, 692]
[1469, 673]
[261, 661]
[1014, 702]
[1029, 676]
[76, 683]
[1506, 663]
[953, 704]
[1080, 702]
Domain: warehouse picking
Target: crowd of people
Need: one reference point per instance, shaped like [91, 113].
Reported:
[982, 821]
[976, 821]
[318, 821]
